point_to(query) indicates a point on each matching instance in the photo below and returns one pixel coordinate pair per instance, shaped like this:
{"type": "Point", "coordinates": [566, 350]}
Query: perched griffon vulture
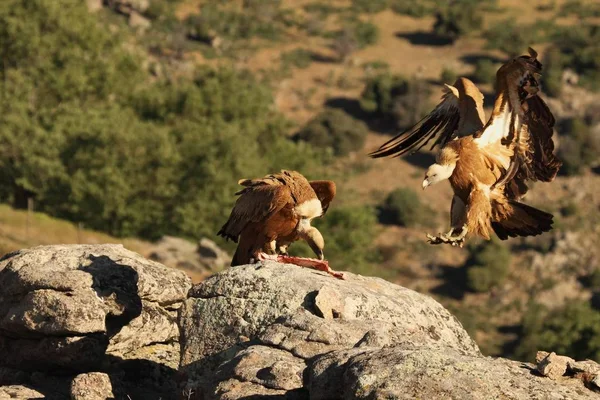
{"type": "Point", "coordinates": [488, 164]}
{"type": "Point", "coordinates": [274, 211]}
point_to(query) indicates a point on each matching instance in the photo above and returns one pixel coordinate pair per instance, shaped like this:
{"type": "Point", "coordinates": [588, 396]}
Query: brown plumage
{"type": "Point", "coordinates": [274, 211]}
{"type": "Point", "coordinates": [489, 163]}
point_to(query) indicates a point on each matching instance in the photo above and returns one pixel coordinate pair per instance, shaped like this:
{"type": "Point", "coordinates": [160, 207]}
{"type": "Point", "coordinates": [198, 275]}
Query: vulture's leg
{"type": "Point", "coordinates": [271, 247]}
{"type": "Point", "coordinates": [458, 220]}
{"type": "Point", "coordinates": [321, 265]}
{"type": "Point", "coordinates": [457, 240]}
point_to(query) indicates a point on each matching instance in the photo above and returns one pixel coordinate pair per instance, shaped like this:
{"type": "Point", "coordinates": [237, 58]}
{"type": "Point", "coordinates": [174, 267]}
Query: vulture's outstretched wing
{"type": "Point", "coordinates": [260, 199]}
{"type": "Point", "coordinates": [325, 191]}
{"type": "Point", "coordinates": [460, 113]}
{"type": "Point", "coordinates": [523, 122]}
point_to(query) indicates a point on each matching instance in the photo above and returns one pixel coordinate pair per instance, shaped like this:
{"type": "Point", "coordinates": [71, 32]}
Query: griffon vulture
{"type": "Point", "coordinates": [274, 211]}
{"type": "Point", "coordinates": [488, 164]}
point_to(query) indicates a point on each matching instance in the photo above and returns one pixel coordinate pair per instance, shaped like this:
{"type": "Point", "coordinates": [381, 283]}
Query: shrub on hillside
{"type": "Point", "coordinates": [354, 36]}
{"type": "Point", "coordinates": [579, 147]}
{"type": "Point", "coordinates": [487, 265]}
{"type": "Point", "coordinates": [369, 6]}
{"type": "Point", "coordinates": [366, 34]}
{"type": "Point", "coordinates": [572, 330]}
{"type": "Point", "coordinates": [403, 207]}
{"type": "Point", "coordinates": [579, 50]}
{"type": "Point", "coordinates": [514, 39]}
{"type": "Point", "coordinates": [413, 8]}
{"type": "Point", "coordinates": [334, 129]}
{"type": "Point", "coordinates": [216, 21]}
{"type": "Point", "coordinates": [485, 71]}
{"type": "Point", "coordinates": [396, 98]}
{"type": "Point", "coordinates": [448, 76]}
{"type": "Point", "coordinates": [299, 58]}
{"type": "Point", "coordinates": [552, 74]}
{"type": "Point", "coordinates": [458, 18]}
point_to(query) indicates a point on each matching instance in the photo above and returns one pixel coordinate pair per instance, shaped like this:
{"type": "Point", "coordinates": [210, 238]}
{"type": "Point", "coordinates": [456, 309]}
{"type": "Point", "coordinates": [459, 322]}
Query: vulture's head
{"type": "Point", "coordinates": [312, 237]}
{"type": "Point", "coordinates": [437, 173]}
{"type": "Point", "coordinates": [443, 168]}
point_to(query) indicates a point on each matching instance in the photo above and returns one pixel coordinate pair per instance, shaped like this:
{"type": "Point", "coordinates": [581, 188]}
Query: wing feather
{"type": "Point", "coordinates": [521, 120]}
{"type": "Point", "coordinates": [325, 191]}
{"type": "Point", "coordinates": [441, 122]}
{"type": "Point", "coordinates": [260, 199]}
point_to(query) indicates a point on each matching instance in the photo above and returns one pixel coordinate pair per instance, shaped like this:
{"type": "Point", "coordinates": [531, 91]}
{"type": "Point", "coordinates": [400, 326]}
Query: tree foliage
{"type": "Point", "coordinates": [395, 97]}
{"type": "Point", "coordinates": [334, 129]}
{"type": "Point", "coordinates": [572, 330]}
{"type": "Point", "coordinates": [93, 139]}
{"type": "Point", "coordinates": [487, 265]}
{"type": "Point", "coordinates": [403, 207]}
{"type": "Point", "coordinates": [579, 147]}
{"type": "Point", "coordinates": [457, 18]}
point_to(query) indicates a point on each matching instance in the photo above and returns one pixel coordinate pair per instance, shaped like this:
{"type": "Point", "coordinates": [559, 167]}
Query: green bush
{"type": "Point", "coordinates": [403, 207]}
{"type": "Point", "coordinates": [552, 73]}
{"type": "Point", "coordinates": [369, 6]}
{"type": "Point", "coordinates": [98, 140]}
{"type": "Point", "coordinates": [394, 97]}
{"type": "Point", "coordinates": [256, 20]}
{"type": "Point", "coordinates": [578, 47]}
{"type": "Point", "coordinates": [366, 34]}
{"type": "Point", "coordinates": [448, 76]}
{"type": "Point", "coordinates": [487, 265]}
{"type": "Point", "coordinates": [485, 71]}
{"type": "Point", "coordinates": [458, 18]}
{"type": "Point", "coordinates": [581, 9]}
{"type": "Point", "coordinates": [416, 8]}
{"type": "Point", "coordinates": [355, 35]}
{"type": "Point", "coordinates": [334, 129]}
{"type": "Point", "coordinates": [299, 58]}
{"type": "Point", "coordinates": [572, 330]}
{"type": "Point", "coordinates": [579, 147]}
{"type": "Point", "coordinates": [514, 39]}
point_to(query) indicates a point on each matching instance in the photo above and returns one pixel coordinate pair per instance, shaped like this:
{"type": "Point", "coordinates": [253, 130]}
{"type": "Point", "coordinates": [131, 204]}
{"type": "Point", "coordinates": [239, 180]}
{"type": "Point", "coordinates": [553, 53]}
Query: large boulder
{"type": "Point", "coordinates": [281, 331]}
{"type": "Point", "coordinates": [79, 308]}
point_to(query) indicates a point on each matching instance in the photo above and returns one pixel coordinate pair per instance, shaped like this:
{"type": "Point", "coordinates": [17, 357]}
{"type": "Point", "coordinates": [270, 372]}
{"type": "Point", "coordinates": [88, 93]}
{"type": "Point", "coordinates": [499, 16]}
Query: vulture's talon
{"type": "Point", "coordinates": [448, 238]}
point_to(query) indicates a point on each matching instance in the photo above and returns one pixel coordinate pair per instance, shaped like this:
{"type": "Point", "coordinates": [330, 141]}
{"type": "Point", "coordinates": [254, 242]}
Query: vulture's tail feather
{"type": "Point", "coordinates": [523, 220]}
{"type": "Point", "coordinates": [243, 252]}
{"type": "Point", "coordinates": [224, 234]}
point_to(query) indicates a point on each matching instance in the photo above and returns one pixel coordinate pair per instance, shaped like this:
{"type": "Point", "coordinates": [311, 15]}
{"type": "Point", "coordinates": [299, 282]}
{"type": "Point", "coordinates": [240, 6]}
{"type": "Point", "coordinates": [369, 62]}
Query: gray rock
{"type": "Point", "coordinates": [91, 386]}
{"type": "Point", "coordinates": [282, 306]}
{"type": "Point", "coordinates": [80, 308]}
{"type": "Point", "coordinates": [19, 392]}
{"type": "Point", "coordinates": [283, 331]}
{"type": "Point", "coordinates": [402, 372]}
{"type": "Point", "coordinates": [552, 365]}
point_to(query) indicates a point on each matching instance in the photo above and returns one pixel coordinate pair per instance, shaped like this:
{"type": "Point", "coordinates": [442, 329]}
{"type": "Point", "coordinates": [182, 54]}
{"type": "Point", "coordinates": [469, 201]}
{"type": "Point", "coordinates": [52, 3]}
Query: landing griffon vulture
{"type": "Point", "coordinates": [488, 163]}
{"type": "Point", "coordinates": [275, 211]}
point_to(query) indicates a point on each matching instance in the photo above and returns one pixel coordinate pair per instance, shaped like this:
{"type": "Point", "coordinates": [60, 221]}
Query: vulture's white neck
{"type": "Point", "coordinates": [309, 209]}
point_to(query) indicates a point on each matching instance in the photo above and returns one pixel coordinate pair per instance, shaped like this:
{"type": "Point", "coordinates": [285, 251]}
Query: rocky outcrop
{"type": "Point", "coordinates": [74, 309]}
{"type": "Point", "coordinates": [100, 322]}
{"type": "Point", "coordinates": [282, 331]}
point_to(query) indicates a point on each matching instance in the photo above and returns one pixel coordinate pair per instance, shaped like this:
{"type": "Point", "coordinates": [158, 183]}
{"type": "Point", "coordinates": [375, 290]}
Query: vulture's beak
{"type": "Point", "coordinates": [315, 241]}
{"type": "Point", "coordinates": [426, 183]}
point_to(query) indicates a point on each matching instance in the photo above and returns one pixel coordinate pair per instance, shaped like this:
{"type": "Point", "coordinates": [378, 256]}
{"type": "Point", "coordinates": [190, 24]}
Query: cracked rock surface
{"type": "Point", "coordinates": [79, 308]}
{"type": "Point", "coordinates": [281, 331]}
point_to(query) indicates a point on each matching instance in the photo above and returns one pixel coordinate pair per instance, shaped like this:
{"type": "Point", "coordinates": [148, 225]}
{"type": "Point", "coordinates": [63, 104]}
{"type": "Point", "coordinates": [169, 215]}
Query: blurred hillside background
{"type": "Point", "coordinates": [131, 120]}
